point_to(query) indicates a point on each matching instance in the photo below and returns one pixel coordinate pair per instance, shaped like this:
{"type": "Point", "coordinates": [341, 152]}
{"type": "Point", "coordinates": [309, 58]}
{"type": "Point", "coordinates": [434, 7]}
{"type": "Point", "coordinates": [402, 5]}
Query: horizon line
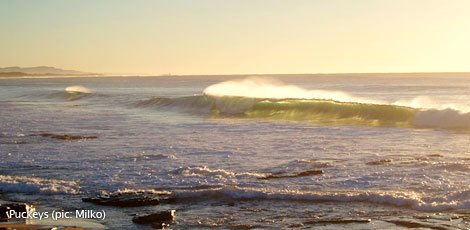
{"type": "Point", "coordinates": [320, 73]}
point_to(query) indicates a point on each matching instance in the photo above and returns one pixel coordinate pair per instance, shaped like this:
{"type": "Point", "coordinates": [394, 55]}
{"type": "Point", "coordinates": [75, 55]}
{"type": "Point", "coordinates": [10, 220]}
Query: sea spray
{"type": "Point", "coordinates": [257, 87]}
{"type": "Point", "coordinates": [426, 102]}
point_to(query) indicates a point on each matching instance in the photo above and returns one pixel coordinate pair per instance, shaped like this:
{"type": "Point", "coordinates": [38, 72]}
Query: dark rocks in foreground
{"type": "Point", "coordinates": [411, 224]}
{"type": "Point", "coordinates": [64, 137]}
{"type": "Point", "coordinates": [157, 220]}
{"type": "Point", "coordinates": [337, 221]}
{"type": "Point", "coordinates": [6, 207]}
{"type": "Point", "coordinates": [127, 199]}
{"type": "Point", "coordinates": [380, 162]}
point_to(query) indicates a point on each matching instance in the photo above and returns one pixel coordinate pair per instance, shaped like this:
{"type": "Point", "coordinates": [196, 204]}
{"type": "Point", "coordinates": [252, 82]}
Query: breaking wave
{"type": "Point", "coordinates": [75, 92]}
{"type": "Point", "coordinates": [70, 93]}
{"type": "Point", "coordinates": [34, 185]}
{"type": "Point", "coordinates": [77, 89]}
{"type": "Point", "coordinates": [413, 200]}
{"type": "Point", "coordinates": [269, 99]}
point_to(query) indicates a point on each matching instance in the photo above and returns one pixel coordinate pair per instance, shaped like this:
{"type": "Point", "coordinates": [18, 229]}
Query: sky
{"type": "Point", "coordinates": [237, 37]}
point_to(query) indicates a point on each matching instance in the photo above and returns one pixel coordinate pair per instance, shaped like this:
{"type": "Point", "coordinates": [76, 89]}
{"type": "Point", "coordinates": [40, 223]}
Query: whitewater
{"type": "Point", "coordinates": [290, 151]}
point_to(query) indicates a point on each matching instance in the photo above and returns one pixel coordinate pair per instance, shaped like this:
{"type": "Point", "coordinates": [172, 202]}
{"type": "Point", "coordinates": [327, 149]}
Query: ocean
{"type": "Point", "coordinates": [371, 151]}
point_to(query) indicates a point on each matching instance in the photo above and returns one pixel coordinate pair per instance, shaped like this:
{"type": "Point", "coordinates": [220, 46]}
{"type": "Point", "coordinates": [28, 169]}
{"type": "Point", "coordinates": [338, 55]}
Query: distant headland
{"type": "Point", "coordinates": [40, 71]}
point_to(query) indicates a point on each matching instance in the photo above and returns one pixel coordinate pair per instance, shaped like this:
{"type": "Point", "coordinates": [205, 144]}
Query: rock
{"type": "Point", "coordinates": [338, 221]}
{"type": "Point", "coordinates": [64, 136]}
{"type": "Point", "coordinates": [379, 162]}
{"type": "Point", "coordinates": [127, 199]}
{"type": "Point", "coordinates": [6, 207]}
{"type": "Point", "coordinates": [157, 220]}
{"type": "Point", "coordinates": [296, 225]}
{"type": "Point", "coordinates": [295, 174]}
{"type": "Point", "coordinates": [310, 173]}
{"type": "Point", "coordinates": [411, 224]}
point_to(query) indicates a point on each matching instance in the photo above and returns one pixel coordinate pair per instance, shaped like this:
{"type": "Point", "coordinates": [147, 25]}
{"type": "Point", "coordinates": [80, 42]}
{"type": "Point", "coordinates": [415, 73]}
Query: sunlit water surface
{"type": "Point", "coordinates": [215, 162]}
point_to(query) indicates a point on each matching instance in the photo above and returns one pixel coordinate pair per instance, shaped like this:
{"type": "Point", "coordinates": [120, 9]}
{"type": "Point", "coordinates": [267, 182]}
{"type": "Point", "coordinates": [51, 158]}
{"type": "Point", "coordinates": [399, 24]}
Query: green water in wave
{"type": "Point", "coordinates": [323, 111]}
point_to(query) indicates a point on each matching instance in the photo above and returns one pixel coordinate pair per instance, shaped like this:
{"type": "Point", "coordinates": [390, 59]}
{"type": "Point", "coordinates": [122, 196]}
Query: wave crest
{"type": "Point", "coordinates": [77, 89]}
{"type": "Point", "coordinates": [257, 87]}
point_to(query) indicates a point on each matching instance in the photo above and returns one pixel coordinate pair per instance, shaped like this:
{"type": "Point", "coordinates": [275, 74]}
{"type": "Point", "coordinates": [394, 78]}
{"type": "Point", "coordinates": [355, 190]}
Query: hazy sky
{"type": "Point", "coordinates": [242, 36]}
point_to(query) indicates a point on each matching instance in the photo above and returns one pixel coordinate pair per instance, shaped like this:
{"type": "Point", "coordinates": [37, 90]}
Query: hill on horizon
{"type": "Point", "coordinates": [39, 71]}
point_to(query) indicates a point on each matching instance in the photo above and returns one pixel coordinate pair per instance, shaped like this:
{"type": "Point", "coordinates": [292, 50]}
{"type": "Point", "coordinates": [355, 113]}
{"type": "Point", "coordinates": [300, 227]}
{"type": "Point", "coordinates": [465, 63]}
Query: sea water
{"type": "Point", "coordinates": [285, 151]}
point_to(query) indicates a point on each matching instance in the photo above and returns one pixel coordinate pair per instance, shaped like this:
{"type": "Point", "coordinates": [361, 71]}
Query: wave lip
{"type": "Point", "coordinates": [35, 185]}
{"type": "Point", "coordinates": [257, 87]}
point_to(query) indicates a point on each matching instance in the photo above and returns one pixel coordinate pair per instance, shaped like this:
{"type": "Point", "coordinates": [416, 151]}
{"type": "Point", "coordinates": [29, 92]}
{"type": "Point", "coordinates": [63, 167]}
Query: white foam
{"type": "Point", "coordinates": [23, 184]}
{"type": "Point", "coordinates": [143, 190]}
{"type": "Point", "coordinates": [204, 171]}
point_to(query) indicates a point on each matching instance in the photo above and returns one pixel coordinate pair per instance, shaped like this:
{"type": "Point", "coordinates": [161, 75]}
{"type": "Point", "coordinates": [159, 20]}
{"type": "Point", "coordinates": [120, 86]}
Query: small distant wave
{"type": "Point", "coordinates": [77, 89]}
{"type": "Point", "coordinates": [75, 92]}
{"type": "Point", "coordinates": [70, 93]}
{"type": "Point", "coordinates": [413, 200]}
{"type": "Point", "coordinates": [35, 185]}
